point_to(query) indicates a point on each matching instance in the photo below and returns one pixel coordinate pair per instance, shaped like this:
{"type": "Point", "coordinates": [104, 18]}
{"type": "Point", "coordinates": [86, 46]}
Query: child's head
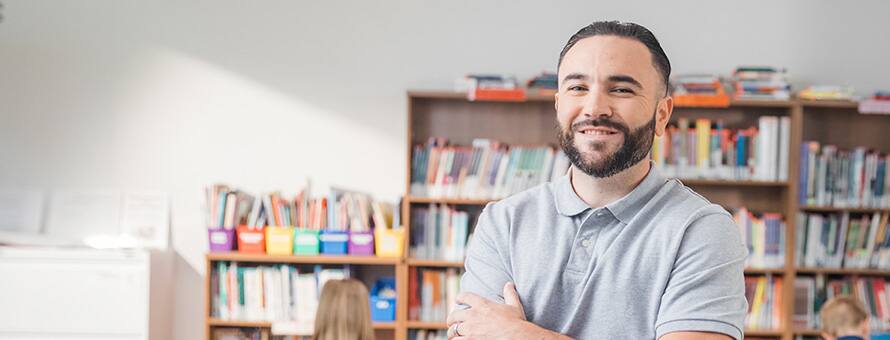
{"type": "Point", "coordinates": [844, 316]}
{"type": "Point", "coordinates": [343, 312]}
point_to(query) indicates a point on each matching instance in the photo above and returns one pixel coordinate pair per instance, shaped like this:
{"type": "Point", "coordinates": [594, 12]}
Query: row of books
{"type": "Point", "coordinates": [830, 176]}
{"type": "Point", "coordinates": [810, 293]}
{"type": "Point", "coordinates": [707, 149]}
{"type": "Point", "coordinates": [432, 293]}
{"type": "Point", "coordinates": [490, 87]}
{"type": "Point", "coordinates": [764, 236]}
{"type": "Point", "coordinates": [544, 83]}
{"type": "Point", "coordinates": [268, 293]}
{"type": "Point", "coordinates": [339, 210]}
{"type": "Point", "coordinates": [826, 92]}
{"type": "Point", "coordinates": [842, 241]}
{"type": "Point", "coordinates": [764, 295]}
{"type": "Point", "coordinates": [701, 84]}
{"type": "Point", "coordinates": [879, 103]}
{"type": "Point", "coordinates": [761, 83]}
{"type": "Point", "coordinates": [220, 333]}
{"type": "Point", "coordinates": [227, 207]}
{"type": "Point", "coordinates": [486, 170]}
{"type": "Point", "coordinates": [439, 232]}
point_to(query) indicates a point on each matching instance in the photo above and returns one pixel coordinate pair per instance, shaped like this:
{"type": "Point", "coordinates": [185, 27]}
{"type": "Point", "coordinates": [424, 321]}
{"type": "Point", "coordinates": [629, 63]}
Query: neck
{"type": "Point", "coordinates": [598, 192]}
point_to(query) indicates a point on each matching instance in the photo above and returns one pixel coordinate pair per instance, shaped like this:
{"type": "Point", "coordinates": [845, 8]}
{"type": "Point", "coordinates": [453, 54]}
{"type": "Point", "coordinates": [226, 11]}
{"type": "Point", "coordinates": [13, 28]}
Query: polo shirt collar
{"type": "Point", "coordinates": [569, 204]}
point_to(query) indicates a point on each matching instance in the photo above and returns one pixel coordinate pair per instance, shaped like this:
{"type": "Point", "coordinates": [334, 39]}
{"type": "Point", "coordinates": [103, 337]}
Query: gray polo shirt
{"type": "Point", "coordinates": [659, 260]}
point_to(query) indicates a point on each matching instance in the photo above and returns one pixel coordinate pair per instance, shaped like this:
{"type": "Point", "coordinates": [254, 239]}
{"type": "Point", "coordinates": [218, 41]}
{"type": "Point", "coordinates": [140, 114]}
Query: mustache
{"type": "Point", "coordinates": [601, 121]}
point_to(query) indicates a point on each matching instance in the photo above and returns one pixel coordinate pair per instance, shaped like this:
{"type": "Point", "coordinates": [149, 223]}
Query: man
{"type": "Point", "coordinates": [612, 250]}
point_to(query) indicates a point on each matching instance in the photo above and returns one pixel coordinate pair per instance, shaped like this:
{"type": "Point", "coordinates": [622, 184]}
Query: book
{"type": "Point", "coordinates": [764, 295]}
{"type": "Point", "coordinates": [485, 170]}
{"type": "Point", "coordinates": [764, 236]}
{"type": "Point", "coordinates": [706, 149]}
{"type": "Point", "coordinates": [843, 178]}
{"type": "Point", "coordinates": [843, 240]}
{"type": "Point", "coordinates": [270, 293]}
{"type": "Point", "coordinates": [432, 293]}
{"type": "Point", "coordinates": [439, 232]}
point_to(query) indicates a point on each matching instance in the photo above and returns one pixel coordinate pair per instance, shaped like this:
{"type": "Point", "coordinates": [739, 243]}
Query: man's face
{"type": "Point", "coordinates": [610, 104]}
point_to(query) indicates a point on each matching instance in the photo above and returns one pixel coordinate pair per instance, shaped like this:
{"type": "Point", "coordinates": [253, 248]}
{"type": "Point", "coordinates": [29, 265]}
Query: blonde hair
{"type": "Point", "coordinates": [343, 312]}
{"type": "Point", "coordinates": [842, 313]}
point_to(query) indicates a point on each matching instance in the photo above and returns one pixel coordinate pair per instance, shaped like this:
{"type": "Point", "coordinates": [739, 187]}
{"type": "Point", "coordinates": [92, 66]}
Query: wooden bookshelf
{"type": "Point", "coordinates": [531, 122]}
{"type": "Point", "coordinates": [391, 330]}
{"type": "Point", "coordinates": [450, 114]}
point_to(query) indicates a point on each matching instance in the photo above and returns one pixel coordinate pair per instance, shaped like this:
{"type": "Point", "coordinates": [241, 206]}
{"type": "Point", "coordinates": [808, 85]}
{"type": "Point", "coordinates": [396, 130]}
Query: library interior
{"type": "Point", "coordinates": [425, 170]}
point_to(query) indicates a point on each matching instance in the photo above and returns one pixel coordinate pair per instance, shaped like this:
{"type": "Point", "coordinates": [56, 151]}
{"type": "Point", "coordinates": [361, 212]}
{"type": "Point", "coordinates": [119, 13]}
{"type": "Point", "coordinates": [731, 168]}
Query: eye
{"type": "Point", "coordinates": [623, 90]}
{"type": "Point", "coordinates": [577, 88]}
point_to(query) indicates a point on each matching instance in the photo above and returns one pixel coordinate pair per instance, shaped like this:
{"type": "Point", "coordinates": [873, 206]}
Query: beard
{"type": "Point", "coordinates": [635, 148]}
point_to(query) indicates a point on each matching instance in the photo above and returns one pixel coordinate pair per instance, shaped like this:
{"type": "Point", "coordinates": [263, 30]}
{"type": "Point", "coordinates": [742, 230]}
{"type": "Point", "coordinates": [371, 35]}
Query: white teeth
{"type": "Point", "coordinates": [596, 132]}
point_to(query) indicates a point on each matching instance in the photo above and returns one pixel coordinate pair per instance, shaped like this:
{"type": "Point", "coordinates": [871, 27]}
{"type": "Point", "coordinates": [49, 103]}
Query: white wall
{"type": "Point", "coordinates": [174, 95]}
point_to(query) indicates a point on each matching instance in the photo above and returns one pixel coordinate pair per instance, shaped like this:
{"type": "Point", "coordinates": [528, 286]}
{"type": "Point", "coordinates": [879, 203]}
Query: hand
{"type": "Point", "coordinates": [486, 319]}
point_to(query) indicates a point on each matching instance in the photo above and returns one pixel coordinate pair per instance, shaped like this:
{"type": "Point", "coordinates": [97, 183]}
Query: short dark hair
{"type": "Point", "coordinates": [625, 30]}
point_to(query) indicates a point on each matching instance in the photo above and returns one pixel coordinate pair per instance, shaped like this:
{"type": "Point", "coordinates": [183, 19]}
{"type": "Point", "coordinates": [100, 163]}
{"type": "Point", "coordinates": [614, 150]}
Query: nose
{"type": "Point", "coordinates": [596, 104]}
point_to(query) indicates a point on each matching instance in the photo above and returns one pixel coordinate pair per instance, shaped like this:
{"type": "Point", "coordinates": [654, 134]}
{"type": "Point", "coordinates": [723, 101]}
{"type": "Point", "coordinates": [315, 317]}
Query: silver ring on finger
{"type": "Point", "coordinates": [454, 329]}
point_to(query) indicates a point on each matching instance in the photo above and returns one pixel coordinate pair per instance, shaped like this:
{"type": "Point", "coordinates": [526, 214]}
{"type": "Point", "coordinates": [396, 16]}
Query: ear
{"type": "Point", "coordinates": [663, 114]}
{"type": "Point", "coordinates": [556, 101]}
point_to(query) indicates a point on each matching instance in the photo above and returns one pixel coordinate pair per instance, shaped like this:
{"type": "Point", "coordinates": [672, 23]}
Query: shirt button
{"type": "Point", "coordinates": [585, 243]}
{"type": "Point", "coordinates": [599, 214]}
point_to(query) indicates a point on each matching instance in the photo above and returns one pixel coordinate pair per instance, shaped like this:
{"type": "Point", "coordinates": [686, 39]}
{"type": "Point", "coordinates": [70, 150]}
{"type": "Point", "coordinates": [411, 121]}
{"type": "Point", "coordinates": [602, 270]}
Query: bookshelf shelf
{"type": "Point", "coordinates": [236, 323]}
{"type": "Point", "coordinates": [384, 325]}
{"type": "Point", "coordinates": [812, 208]}
{"type": "Point", "coordinates": [844, 271]}
{"type": "Point", "coordinates": [297, 259]}
{"type": "Point", "coordinates": [434, 263]}
{"type": "Point", "coordinates": [834, 104]}
{"type": "Point", "coordinates": [760, 103]}
{"type": "Point", "coordinates": [764, 333]}
{"type": "Point", "coordinates": [266, 324]}
{"type": "Point", "coordinates": [445, 200]}
{"type": "Point", "coordinates": [426, 325]}
{"type": "Point", "coordinates": [764, 271]}
{"type": "Point", "coordinates": [810, 332]}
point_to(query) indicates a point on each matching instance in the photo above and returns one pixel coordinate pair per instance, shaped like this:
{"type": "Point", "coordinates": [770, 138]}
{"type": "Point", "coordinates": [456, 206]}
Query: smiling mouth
{"type": "Point", "coordinates": [596, 131]}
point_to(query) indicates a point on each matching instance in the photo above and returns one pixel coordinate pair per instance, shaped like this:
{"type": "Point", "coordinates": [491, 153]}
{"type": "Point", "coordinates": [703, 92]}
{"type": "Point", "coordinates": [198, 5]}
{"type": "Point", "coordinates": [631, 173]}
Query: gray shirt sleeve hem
{"type": "Point", "coordinates": [698, 325]}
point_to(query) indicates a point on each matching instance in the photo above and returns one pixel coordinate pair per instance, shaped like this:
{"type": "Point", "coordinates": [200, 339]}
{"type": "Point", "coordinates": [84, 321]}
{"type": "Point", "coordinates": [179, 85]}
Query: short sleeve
{"type": "Point", "coordinates": [487, 261]}
{"type": "Point", "coordinates": [706, 290]}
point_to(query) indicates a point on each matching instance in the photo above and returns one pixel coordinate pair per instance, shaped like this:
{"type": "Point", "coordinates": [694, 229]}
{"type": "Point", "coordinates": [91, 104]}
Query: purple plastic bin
{"type": "Point", "coordinates": [361, 243]}
{"type": "Point", "coordinates": [221, 240]}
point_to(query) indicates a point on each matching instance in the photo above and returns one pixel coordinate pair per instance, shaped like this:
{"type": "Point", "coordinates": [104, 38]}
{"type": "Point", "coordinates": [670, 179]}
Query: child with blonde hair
{"type": "Point", "coordinates": [844, 318]}
{"type": "Point", "coordinates": [343, 312]}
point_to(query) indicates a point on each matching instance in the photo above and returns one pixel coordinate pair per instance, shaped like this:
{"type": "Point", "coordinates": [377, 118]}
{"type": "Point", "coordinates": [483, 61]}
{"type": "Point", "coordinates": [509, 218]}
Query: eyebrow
{"type": "Point", "coordinates": [575, 76]}
{"type": "Point", "coordinates": [623, 78]}
{"type": "Point", "coordinates": [617, 78]}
